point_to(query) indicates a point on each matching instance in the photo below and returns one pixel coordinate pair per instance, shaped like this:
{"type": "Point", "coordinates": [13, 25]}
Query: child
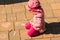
{"type": "Point", "coordinates": [37, 25]}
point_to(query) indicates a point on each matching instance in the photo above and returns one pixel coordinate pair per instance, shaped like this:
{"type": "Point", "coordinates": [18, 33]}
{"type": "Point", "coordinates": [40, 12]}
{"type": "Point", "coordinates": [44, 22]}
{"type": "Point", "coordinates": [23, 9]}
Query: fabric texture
{"type": "Point", "coordinates": [38, 18]}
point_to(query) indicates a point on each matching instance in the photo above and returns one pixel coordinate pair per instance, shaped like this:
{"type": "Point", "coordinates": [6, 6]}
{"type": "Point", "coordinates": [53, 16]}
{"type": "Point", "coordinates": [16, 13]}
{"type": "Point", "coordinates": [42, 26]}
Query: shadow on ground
{"type": "Point", "coordinates": [4, 2]}
{"type": "Point", "coordinates": [53, 28]}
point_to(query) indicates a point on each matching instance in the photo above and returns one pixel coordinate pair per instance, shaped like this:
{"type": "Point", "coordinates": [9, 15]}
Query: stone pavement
{"type": "Point", "coordinates": [13, 14]}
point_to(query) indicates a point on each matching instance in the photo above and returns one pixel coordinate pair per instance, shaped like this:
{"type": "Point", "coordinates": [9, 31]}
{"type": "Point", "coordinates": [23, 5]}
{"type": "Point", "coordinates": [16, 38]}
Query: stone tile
{"type": "Point", "coordinates": [24, 3]}
{"type": "Point", "coordinates": [43, 1]}
{"type": "Point", "coordinates": [6, 26]}
{"type": "Point", "coordinates": [58, 38]}
{"type": "Point", "coordinates": [8, 9]}
{"type": "Point", "coordinates": [2, 17]}
{"type": "Point", "coordinates": [3, 35]}
{"type": "Point", "coordinates": [29, 15]}
{"type": "Point", "coordinates": [50, 1]}
{"type": "Point", "coordinates": [28, 39]}
{"type": "Point", "coordinates": [17, 8]}
{"type": "Point", "coordinates": [59, 19]}
{"type": "Point", "coordinates": [51, 20]}
{"type": "Point", "coordinates": [14, 35]}
{"type": "Point", "coordinates": [2, 14]}
{"type": "Point", "coordinates": [56, 35]}
{"type": "Point", "coordinates": [19, 25]}
{"type": "Point", "coordinates": [9, 12]}
{"type": "Point", "coordinates": [11, 17]}
{"type": "Point", "coordinates": [47, 10]}
{"type": "Point", "coordinates": [56, 13]}
{"type": "Point", "coordinates": [46, 6]}
{"type": "Point", "coordinates": [24, 35]}
{"type": "Point", "coordinates": [48, 13]}
{"type": "Point", "coordinates": [57, 1]}
{"type": "Point", "coordinates": [42, 39]}
{"type": "Point", "coordinates": [21, 16]}
{"type": "Point", "coordinates": [1, 7]}
{"type": "Point", "coordinates": [37, 37]}
{"type": "Point", "coordinates": [47, 35]}
{"type": "Point", "coordinates": [55, 5]}
{"type": "Point", "coordinates": [2, 10]}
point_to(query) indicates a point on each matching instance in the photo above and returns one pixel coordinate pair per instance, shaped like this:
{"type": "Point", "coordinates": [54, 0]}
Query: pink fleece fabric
{"type": "Point", "coordinates": [38, 19]}
{"type": "Point", "coordinates": [32, 32]}
{"type": "Point", "coordinates": [28, 25]}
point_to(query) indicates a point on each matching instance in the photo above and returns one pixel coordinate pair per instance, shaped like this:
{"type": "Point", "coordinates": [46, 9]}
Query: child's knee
{"type": "Point", "coordinates": [28, 25]}
{"type": "Point", "coordinates": [32, 32]}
